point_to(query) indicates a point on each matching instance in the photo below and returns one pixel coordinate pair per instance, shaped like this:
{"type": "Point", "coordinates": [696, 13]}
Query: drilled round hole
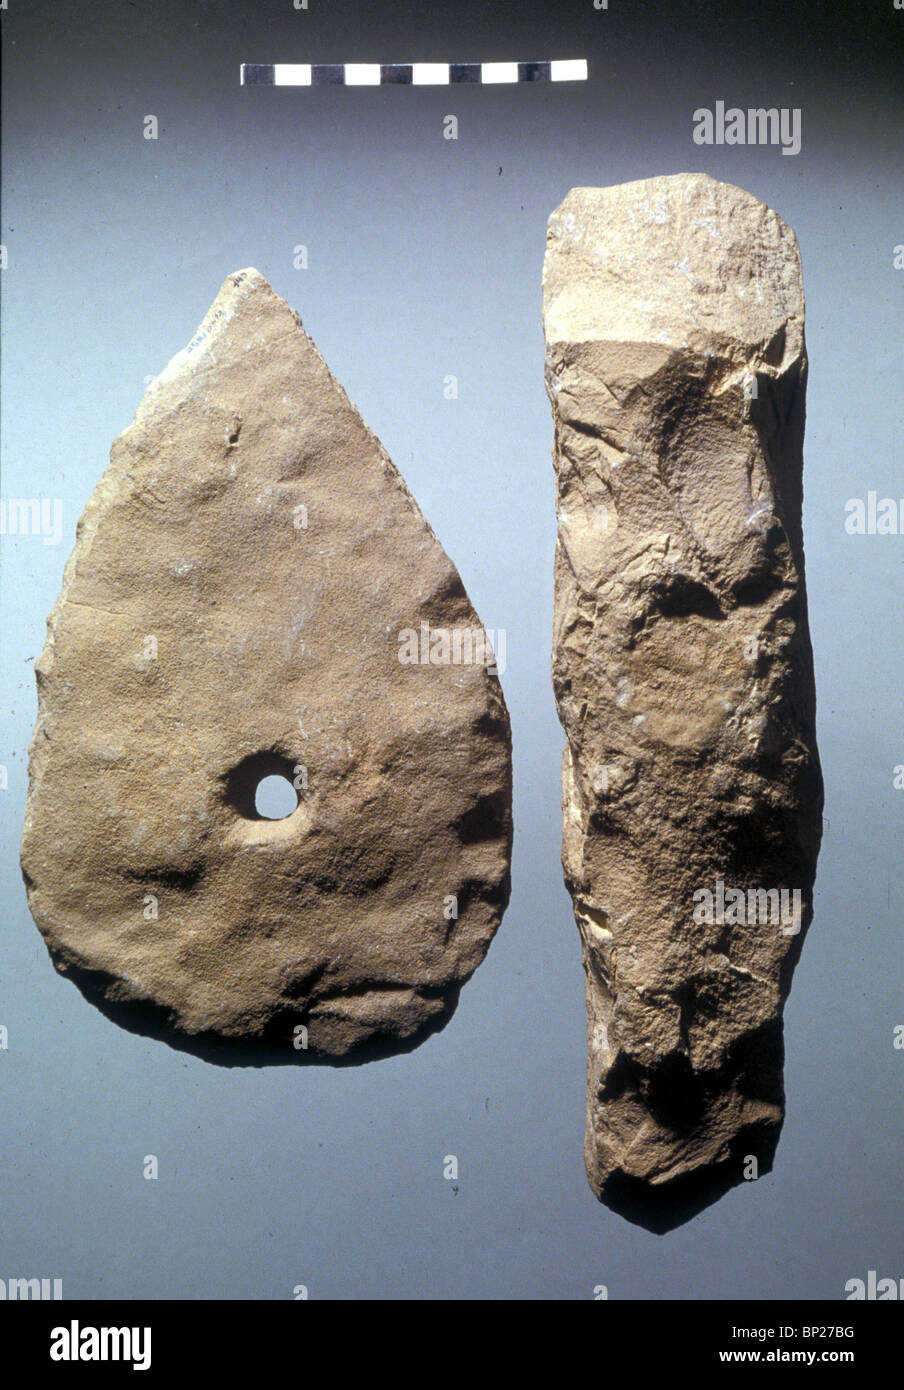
{"type": "Point", "coordinates": [275, 798]}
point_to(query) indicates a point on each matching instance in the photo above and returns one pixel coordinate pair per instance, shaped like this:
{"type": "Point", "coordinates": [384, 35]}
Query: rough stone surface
{"type": "Point", "coordinates": [232, 609]}
{"type": "Point", "coordinates": [676, 368]}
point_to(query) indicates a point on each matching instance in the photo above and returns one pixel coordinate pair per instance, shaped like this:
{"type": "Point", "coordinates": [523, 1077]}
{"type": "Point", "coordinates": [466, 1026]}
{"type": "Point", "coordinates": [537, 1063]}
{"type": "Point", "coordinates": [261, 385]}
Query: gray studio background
{"type": "Point", "coordinates": [424, 261]}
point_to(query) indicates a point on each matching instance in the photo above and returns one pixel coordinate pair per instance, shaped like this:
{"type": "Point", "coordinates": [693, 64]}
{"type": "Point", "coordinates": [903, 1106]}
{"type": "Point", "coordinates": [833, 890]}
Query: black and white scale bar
{"type": "Point", "coordinates": [408, 74]}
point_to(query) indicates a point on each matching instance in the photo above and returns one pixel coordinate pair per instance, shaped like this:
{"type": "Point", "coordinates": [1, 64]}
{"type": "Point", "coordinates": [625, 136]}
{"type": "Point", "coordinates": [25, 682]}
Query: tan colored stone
{"type": "Point", "coordinates": [676, 368]}
{"type": "Point", "coordinates": [233, 608]}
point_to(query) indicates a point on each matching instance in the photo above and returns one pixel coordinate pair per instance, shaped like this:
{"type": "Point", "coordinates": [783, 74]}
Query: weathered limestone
{"type": "Point", "coordinates": [676, 368]}
{"type": "Point", "coordinates": [236, 605]}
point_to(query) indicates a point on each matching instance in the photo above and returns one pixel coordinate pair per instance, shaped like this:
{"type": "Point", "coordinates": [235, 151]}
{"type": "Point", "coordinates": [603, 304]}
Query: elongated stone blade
{"type": "Point", "coordinates": [254, 593]}
{"type": "Point", "coordinates": [682, 667]}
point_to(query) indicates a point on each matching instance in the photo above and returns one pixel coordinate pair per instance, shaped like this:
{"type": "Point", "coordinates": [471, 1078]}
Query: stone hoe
{"type": "Point", "coordinates": [234, 609]}
{"type": "Point", "coordinates": [683, 673]}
